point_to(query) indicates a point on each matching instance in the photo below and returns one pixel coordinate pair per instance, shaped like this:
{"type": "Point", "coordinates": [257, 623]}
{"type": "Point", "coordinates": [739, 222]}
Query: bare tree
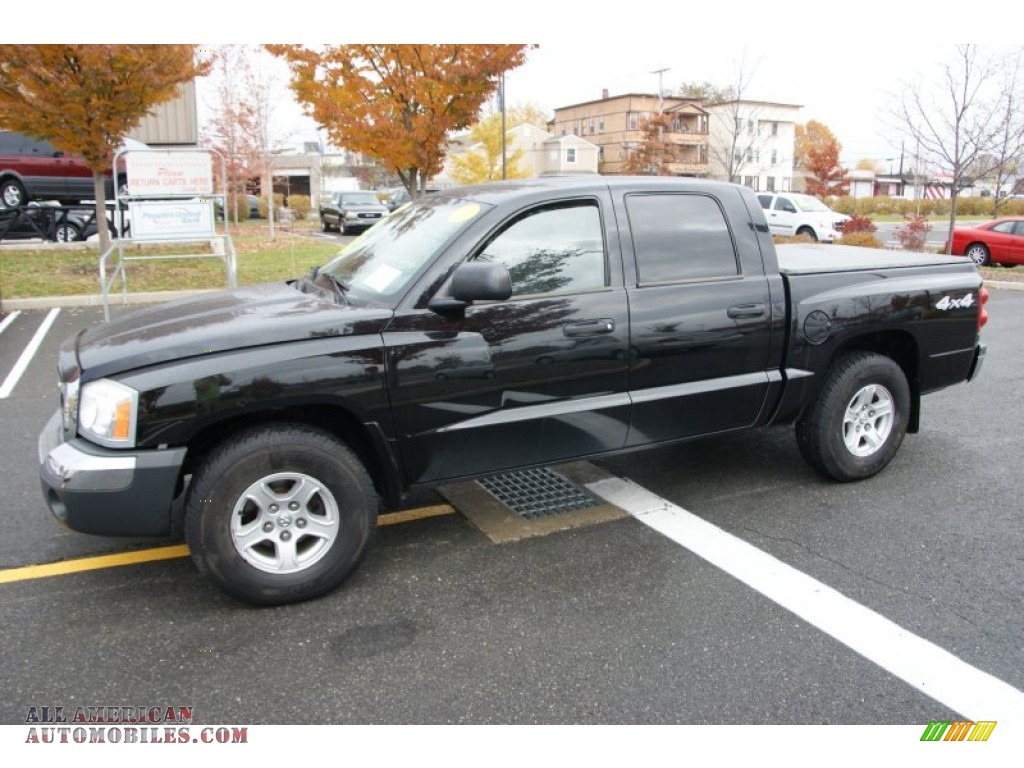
{"type": "Point", "coordinates": [1010, 143]}
{"type": "Point", "coordinates": [231, 130]}
{"type": "Point", "coordinates": [736, 140]}
{"type": "Point", "coordinates": [955, 128]}
{"type": "Point", "coordinates": [265, 91]}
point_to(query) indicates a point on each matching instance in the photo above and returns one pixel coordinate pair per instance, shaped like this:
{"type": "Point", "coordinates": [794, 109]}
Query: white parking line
{"type": "Point", "coordinates": [27, 354]}
{"type": "Point", "coordinates": [933, 671]}
{"type": "Point", "coordinates": [8, 320]}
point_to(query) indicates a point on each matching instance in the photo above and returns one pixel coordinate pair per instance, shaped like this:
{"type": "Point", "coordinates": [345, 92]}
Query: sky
{"type": "Point", "coordinates": [846, 64]}
{"type": "Point", "coordinates": [854, 89]}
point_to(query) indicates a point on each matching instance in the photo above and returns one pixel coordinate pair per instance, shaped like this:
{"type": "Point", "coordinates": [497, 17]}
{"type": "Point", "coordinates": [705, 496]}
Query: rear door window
{"type": "Point", "coordinates": [680, 237]}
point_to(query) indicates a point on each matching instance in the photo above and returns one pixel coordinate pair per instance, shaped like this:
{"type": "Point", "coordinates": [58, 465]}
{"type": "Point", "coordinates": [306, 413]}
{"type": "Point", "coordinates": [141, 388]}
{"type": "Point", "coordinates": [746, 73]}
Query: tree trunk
{"type": "Point", "coordinates": [952, 216]}
{"type": "Point", "coordinates": [99, 187]}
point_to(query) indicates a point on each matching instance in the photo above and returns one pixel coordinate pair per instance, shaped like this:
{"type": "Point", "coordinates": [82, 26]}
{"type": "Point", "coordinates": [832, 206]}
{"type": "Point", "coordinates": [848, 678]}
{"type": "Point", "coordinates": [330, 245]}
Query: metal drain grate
{"type": "Point", "coordinates": [535, 493]}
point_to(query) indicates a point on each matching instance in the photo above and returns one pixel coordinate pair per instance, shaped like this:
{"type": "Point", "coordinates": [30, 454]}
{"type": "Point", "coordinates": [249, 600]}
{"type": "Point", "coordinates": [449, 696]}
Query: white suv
{"type": "Point", "coordinates": [790, 214]}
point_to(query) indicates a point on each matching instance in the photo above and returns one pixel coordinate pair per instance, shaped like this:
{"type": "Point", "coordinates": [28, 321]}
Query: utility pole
{"type": "Point", "coordinates": [661, 92]}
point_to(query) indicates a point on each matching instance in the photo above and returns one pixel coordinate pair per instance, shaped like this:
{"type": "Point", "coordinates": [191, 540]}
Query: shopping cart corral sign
{"type": "Point", "coordinates": [171, 219]}
{"type": "Point", "coordinates": [163, 173]}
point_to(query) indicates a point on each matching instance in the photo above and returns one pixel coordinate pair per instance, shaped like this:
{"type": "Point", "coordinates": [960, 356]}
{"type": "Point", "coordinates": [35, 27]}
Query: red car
{"type": "Point", "coordinates": [1000, 241]}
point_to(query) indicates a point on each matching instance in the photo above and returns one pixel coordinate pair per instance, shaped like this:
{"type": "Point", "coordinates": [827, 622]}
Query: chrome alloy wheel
{"type": "Point", "coordinates": [284, 523]}
{"type": "Point", "coordinates": [868, 420]}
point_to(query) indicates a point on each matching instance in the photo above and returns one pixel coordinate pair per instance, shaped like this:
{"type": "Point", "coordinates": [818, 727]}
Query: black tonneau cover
{"type": "Point", "coordinates": [815, 258]}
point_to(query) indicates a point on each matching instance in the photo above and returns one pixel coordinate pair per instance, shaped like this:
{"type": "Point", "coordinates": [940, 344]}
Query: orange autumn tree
{"type": "Point", "coordinates": [84, 99]}
{"type": "Point", "coordinates": [653, 155]}
{"type": "Point", "coordinates": [817, 153]}
{"type": "Point", "coordinates": [397, 103]}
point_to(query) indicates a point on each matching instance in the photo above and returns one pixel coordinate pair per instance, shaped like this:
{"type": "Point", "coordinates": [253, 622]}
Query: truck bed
{"type": "Point", "coordinates": [817, 258]}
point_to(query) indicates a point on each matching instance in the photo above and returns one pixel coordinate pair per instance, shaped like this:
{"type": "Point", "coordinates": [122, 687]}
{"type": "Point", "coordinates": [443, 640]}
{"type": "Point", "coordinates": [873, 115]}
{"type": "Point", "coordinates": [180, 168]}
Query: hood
{"type": "Point", "coordinates": [218, 322]}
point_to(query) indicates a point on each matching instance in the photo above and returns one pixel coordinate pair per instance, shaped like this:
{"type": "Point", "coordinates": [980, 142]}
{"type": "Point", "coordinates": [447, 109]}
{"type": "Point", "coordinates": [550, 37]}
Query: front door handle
{"type": "Point", "coordinates": [589, 327]}
{"type": "Point", "coordinates": [745, 311]}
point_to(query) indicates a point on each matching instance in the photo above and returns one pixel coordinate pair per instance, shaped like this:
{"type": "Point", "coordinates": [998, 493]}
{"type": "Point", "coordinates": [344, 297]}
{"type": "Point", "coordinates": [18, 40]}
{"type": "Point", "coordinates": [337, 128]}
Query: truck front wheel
{"type": "Point", "coordinates": [280, 513]}
{"type": "Point", "coordinates": [856, 425]}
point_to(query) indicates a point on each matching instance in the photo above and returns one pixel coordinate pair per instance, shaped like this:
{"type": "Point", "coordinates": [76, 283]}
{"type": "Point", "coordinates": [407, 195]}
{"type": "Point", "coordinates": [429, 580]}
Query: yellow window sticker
{"type": "Point", "coordinates": [464, 213]}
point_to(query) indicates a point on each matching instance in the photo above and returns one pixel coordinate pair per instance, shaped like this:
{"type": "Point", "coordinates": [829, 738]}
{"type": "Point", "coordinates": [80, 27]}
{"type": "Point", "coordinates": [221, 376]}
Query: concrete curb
{"type": "Point", "coordinates": [1004, 285]}
{"type": "Point", "coordinates": [96, 300]}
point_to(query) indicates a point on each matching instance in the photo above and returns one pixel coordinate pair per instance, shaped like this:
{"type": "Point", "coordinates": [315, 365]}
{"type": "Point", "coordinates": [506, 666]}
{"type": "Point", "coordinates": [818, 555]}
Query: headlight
{"type": "Point", "coordinates": [351, 215]}
{"type": "Point", "coordinates": [107, 413]}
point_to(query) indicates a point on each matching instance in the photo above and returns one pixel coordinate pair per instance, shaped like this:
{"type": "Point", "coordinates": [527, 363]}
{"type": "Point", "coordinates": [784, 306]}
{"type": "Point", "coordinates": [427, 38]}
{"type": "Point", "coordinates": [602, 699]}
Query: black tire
{"type": "Point", "coordinates": [12, 194]}
{"type": "Point", "coordinates": [846, 434]}
{"type": "Point", "coordinates": [324, 226]}
{"type": "Point", "coordinates": [67, 233]}
{"type": "Point", "coordinates": [273, 556]}
{"type": "Point", "coordinates": [978, 253]}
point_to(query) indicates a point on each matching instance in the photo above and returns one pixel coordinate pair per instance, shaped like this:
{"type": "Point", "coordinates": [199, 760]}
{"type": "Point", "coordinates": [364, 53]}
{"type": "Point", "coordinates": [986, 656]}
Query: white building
{"type": "Point", "coordinates": [755, 141]}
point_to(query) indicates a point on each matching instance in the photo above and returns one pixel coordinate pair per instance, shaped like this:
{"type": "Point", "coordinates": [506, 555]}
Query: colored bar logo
{"type": "Point", "coordinates": [958, 730]}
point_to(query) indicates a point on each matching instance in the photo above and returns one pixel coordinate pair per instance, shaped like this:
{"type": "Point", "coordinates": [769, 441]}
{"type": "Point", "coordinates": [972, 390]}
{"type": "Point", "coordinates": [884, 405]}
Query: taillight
{"type": "Point", "coordinates": [982, 312]}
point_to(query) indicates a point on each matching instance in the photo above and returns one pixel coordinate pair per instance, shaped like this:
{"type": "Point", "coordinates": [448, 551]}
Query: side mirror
{"type": "Point", "coordinates": [481, 281]}
{"type": "Point", "coordinates": [474, 281]}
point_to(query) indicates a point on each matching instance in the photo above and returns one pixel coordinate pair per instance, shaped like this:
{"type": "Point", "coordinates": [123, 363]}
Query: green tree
{"type": "Point", "coordinates": [84, 99]}
{"type": "Point", "coordinates": [708, 93]}
{"type": "Point", "coordinates": [397, 103]}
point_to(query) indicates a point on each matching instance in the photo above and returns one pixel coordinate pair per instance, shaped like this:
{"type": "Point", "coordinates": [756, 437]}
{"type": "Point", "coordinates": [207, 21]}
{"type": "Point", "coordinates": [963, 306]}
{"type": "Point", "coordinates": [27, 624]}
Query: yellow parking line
{"type": "Point", "coordinates": [65, 567]}
{"type": "Point", "coordinates": [92, 563]}
{"type": "Point", "coordinates": [420, 513]}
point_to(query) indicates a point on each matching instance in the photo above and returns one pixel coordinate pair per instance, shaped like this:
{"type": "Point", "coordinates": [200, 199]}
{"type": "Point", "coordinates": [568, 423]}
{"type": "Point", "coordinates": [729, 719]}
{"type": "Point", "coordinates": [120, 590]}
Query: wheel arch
{"type": "Point", "coordinates": [367, 441]}
{"type": "Point", "coordinates": [898, 345]}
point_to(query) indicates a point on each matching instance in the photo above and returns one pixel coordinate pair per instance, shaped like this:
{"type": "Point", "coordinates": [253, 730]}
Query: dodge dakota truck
{"type": "Point", "coordinates": [485, 329]}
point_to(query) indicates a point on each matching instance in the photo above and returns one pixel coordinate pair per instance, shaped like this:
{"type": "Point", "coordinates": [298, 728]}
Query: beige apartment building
{"type": "Point", "coordinates": [615, 124]}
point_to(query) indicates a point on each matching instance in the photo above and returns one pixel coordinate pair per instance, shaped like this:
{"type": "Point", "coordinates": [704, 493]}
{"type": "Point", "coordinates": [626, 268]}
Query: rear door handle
{"type": "Point", "coordinates": [742, 311]}
{"type": "Point", "coordinates": [589, 327]}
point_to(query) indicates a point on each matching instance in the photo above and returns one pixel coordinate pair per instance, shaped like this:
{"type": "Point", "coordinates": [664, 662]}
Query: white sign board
{"type": "Point", "coordinates": [171, 220]}
{"type": "Point", "coordinates": [159, 173]}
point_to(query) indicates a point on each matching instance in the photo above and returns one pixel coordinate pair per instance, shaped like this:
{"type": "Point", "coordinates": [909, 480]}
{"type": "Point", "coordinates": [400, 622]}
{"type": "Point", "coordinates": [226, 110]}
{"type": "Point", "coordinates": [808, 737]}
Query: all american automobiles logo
{"type": "Point", "coordinates": [124, 725]}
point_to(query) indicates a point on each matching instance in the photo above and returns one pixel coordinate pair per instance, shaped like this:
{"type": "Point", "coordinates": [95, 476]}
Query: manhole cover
{"type": "Point", "coordinates": [535, 493]}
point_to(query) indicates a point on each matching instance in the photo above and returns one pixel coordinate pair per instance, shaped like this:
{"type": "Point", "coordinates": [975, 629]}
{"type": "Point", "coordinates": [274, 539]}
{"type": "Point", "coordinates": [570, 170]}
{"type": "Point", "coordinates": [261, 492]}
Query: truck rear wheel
{"type": "Point", "coordinates": [856, 425]}
{"type": "Point", "coordinates": [279, 514]}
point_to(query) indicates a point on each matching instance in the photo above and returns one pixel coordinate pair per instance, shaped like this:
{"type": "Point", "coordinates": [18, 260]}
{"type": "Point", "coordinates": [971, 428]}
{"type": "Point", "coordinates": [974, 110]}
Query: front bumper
{"type": "Point", "coordinates": [106, 492]}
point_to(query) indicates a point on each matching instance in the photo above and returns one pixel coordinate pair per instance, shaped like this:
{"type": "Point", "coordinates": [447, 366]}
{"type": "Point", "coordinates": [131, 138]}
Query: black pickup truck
{"type": "Point", "coordinates": [485, 329]}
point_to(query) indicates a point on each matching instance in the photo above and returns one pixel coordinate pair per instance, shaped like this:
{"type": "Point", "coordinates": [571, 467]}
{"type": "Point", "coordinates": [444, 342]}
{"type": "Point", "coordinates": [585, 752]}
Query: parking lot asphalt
{"type": "Point", "coordinates": [607, 624]}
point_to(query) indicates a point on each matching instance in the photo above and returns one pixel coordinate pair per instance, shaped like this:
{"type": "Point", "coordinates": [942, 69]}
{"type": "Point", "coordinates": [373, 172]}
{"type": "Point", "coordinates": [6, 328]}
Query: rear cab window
{"type": "Point", "coordinates": [679, 237]}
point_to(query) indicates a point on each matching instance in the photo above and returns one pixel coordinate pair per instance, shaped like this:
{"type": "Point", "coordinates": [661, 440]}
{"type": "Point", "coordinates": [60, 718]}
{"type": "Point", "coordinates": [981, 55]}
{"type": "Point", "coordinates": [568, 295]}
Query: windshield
{"type": "Point", "coordinates": [808, 203]}
{"type": "Point", "coordinates": [382, 262]}
{"type": "Point", "coordinates": [360, 198]}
